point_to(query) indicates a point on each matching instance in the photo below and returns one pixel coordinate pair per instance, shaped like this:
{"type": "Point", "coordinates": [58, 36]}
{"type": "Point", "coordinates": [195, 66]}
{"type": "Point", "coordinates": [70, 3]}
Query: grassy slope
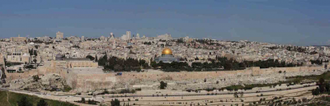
{"type": "Point", "coordinates": [3, 99]}
{"type": "Point", "coordinates": [325, 76]}
{"type": "Point", "coordinates": [14, 97]}
{"type": "Point", "coordinates": [324, 101]}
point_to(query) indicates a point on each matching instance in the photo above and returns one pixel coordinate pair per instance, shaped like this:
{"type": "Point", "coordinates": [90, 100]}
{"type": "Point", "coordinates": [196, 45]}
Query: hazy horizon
{"type": "Point", "coordinates": [297, 22]}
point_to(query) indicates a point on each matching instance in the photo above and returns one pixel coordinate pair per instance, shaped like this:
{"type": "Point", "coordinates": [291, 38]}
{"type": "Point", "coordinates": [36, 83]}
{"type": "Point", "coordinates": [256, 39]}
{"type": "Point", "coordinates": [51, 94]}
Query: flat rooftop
{"type": "Point", "coordinates": [73, 59]}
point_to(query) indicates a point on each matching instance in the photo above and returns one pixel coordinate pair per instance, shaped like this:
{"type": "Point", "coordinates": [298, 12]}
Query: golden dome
{"type": "Point", "coordinates": [167, 51]}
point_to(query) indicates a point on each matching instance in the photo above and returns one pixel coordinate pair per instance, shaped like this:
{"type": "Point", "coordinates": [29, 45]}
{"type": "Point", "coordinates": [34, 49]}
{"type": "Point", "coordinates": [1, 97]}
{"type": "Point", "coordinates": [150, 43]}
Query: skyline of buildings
{"type": "Point", "coordinates": [111, 63]}
{"type": "Point", "coordinates": [165, 53]}
{"type": "Point", "coordinates": [128, 35]}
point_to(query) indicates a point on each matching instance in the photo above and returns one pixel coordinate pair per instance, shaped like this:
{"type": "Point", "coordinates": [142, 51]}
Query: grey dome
{"type": "Point", "coordinates": [59, 57]}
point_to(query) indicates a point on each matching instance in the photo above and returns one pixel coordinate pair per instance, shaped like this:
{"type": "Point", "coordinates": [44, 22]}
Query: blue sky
{"type": "Point", "coordinates": [298, 22]}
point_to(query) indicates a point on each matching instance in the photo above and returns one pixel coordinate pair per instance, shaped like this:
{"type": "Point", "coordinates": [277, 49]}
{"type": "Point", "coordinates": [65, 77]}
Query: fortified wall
{"type": "Point", "coordinates": [39, 71]}
{"type": "Point", "coordinates": [27, 74]}
{"type": "Point", "coordinates": [90, 82]}
{"type": "Point", "coordinates": [257, 71]}
{"type": "Point", "coordinates": [93, 78]}
{"type": "Point", "coordinates": [72, 63]}
{"type": "Point", "coordinates": [93, 81]}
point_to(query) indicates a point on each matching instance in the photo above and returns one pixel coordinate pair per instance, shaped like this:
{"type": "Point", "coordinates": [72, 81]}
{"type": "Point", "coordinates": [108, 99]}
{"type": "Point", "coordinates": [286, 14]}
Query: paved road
{"type": "Point", "coordinates": [181, 95]}
{"type": "Point", "coordinates": [209, 94]}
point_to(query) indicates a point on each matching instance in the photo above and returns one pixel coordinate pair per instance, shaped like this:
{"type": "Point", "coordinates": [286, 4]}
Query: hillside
{"type": "Point", "coordinates": [11, 99]}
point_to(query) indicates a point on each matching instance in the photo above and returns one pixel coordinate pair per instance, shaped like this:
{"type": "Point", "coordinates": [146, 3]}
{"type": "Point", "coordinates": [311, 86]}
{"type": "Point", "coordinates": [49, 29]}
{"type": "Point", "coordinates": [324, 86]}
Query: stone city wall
{"type": "Point", "coordinates": [84, 82]}
{"type": "Point", "coordinates": [39, 71]}
{"type": "Point", "coordinates": [258, 71]}
{"type": "Point", "coordinates": [73, 64]}
{"type": "Point", "coordinates": [88, 82]}
{"type": "Point", "coordinates": [210, 74]}
{"type": "Point", "coordinates": [81, 81]}
{"type": "Point", "coordinates": [13, 76]}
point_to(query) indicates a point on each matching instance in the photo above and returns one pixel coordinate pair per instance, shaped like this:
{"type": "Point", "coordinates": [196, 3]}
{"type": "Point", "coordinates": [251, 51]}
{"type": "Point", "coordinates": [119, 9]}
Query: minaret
{"type": "Point", "coordinates": [111, 35]}
{"type": "Point", "coordinates": [138, 36]}
{"type": "Point", "coordinates": [82, 38]}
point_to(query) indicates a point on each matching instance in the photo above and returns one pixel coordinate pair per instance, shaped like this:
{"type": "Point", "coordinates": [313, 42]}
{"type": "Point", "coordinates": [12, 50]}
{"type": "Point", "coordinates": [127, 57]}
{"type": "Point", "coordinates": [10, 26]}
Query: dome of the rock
{"type": "Point", "coordinates": [167, 51]}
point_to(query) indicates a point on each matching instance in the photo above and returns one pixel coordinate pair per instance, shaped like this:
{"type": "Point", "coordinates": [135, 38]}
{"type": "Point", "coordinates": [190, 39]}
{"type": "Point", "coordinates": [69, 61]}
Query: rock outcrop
{"type": "Point", "coordinates": [51, 82]}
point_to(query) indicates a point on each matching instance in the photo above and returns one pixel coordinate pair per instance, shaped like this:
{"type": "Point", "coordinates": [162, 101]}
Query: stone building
{"type": "Point", "coordinates": [18, 39]}
{"type": "Point", "coordinates": [74, 63]}
{"type": "Point", "coordinates": [59, 35]}
{"type": "Point", "coordinates": [165, 37]}
{"type": "Point", "coordinates": [166, 57]}
{"type": "Point", "coordinates": [18, 57]}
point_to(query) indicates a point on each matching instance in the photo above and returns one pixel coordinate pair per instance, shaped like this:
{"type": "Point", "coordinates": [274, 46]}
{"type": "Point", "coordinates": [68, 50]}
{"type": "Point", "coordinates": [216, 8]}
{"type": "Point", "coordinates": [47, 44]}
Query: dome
{"type": "Point", "coordinates": [166, 58]}
{"type": "Point", "coordinates": [58, 57]}
{"type": "Point", "coordinates": [167, 51]}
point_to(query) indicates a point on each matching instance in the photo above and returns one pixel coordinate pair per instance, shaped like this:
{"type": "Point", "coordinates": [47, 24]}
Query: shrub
{"type": "Point", "coordinates": [23, 102]}
{"type": "Point", "coordinates": [42, 102]}
{"type": "Point", "coordinates": [36, 78]}
{"type": "Point", "coordinates": [115, 102]}
{"type": "Point", "coordinates": [163, 85]}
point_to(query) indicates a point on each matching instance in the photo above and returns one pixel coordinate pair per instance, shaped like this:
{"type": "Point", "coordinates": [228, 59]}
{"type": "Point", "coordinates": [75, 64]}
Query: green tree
{"type": "Point", "coordinates": [90, 57]}
{"type": "Point", "coordinates": [163, 85]}
{"type": "Point", "coordinates": [35, 52]}
{"type": "Point", "coordinates": [321, 85]}
{"type": "Point", "coordinates": [83, 100]}
{"type": "Point", "coordinates": [36, 78]}
{"type": "Point", "coordinates": [91, 102]}
{"type": "Point", "coordinates": [153, 64]}
{"type": "Point", "coordinates": [102, 61]}
{"type": "Point", "coordinates": [117, 67]}
{"type": "Point", "coordinates": [35, 60]}
{"type": "Point", "coordinates": [23, 102]}
{"type": "Point", "coordinates": [42, 102]}
{"type": "Point", "coordinates": [115, 102]}
{"type": "Point", "coordinates": [327, 87]}
{"type": "Point", "coordinates": [316, 91]}
{"type": "Point", "coordinates": [235, 95]}
{"type": "Point", "coordinates": [96, 59]}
